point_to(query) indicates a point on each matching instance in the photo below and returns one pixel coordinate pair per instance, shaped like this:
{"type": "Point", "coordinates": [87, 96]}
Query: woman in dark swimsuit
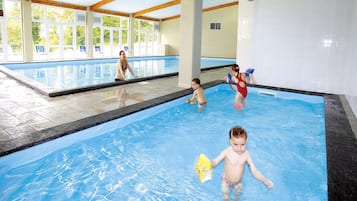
{"type": "Point", "coordinates": [122, 66]}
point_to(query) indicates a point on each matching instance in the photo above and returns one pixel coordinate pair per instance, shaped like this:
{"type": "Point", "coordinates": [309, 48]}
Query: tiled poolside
{"type": "Point", "coordinates": [23, 110]}
{"type": "Point", "coordinates": [27, 117]}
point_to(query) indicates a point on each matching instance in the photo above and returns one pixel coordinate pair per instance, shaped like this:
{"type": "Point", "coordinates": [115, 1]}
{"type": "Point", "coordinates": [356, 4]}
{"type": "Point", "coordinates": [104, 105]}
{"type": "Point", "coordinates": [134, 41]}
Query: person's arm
{"type": "Point", "coordinates": [219, 158]}
{"type": "Point", "coordinates": [257, 174]}
{"type": "Point", "coordinates": [194, 96]}
{"type": "Point", "coordinates": [234, 79]}
{"type": "Point", "coordinates": [131, 71]}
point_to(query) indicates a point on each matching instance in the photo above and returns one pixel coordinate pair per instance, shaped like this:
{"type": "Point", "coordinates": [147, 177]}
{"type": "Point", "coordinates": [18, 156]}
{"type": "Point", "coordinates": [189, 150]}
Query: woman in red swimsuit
{"type": "Point", "coordinates": [241, 83]}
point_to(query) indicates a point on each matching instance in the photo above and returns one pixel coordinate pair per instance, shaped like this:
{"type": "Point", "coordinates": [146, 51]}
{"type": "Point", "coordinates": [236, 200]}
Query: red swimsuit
{"type": "Point", "coordinates": [242, 90]}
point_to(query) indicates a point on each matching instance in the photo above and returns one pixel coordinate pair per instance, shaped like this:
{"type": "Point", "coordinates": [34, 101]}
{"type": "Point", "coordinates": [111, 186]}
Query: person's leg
{"type": "Point", "coordinates": [237, 190]}
{"type": "Point", "coordinates": [239, 101]}
{"type": "Point", "coordinates": [225, 190]}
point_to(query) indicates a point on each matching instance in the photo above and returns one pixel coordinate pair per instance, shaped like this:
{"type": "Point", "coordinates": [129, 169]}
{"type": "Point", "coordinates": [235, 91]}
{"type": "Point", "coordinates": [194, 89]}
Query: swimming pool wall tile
{"type": "Point", "coordinates": [341, 148]}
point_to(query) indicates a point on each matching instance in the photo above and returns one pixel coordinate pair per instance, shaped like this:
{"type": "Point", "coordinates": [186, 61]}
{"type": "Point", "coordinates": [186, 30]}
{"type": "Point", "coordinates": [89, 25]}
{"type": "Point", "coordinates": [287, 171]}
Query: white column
{"type": "Point", "coordinates": [27, 45]}
{"type": "Point", "coordinates": [190, 41]}
{"type": "Point", "coordinates": [131, 36]}
{"type": "Point", "coordinates": [245, 32]}
{"type": "Point", "coordinates": [89, 33]}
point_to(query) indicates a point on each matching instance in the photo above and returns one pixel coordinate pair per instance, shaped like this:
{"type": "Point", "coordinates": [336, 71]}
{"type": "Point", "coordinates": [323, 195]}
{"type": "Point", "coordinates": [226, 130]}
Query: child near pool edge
{"type": "Point", "coordinates": [235, 157]}
{"type": "Point", "coordinates": [241, 83]}
{"type": "Point", "coordinates": [198, 93]}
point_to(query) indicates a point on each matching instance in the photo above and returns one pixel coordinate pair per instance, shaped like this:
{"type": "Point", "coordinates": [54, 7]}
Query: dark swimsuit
{"type": "Point", "coordinates": [124, 69]}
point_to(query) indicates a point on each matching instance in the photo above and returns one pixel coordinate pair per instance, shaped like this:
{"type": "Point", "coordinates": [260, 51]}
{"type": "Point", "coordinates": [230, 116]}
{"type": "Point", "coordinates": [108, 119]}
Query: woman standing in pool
{"type": "Point", "coordinates": [235, 157]}
{"type": "Point", "coordinates": [122, 66]}
{"type": "Point", "coordinates": [240, 80]}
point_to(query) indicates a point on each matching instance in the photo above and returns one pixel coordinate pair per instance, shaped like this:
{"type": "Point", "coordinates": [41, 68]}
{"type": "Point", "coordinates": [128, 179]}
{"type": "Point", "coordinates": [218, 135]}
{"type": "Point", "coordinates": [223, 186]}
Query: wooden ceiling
{"type": "Point", "coordinates": [98, 7]}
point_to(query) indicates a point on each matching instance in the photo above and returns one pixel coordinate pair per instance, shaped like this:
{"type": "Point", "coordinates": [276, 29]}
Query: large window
{"type": "Point", "coordinates": [145, 38]}
{"type": "Point", "coordinates": [60, 33]}
{"type": "Point", "coordinates": [57, 33]}
{"type": "Point", "coordinates": [110, 35]}
{"type": "Point", "coordinates": [11, 37]}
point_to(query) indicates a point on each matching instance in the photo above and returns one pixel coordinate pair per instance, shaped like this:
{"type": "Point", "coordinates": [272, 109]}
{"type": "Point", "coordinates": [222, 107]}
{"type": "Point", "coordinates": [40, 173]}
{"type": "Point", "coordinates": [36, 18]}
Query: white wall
{"type": "Point", "coordinates": [170, 35]}
{"type": "Point", "coordinates": [215, 43]}
{"type": "Point", "coordinates": [220, 43]}
{"type": "Point", "coordinates": [306, 44]}
{"type": "Point", "coordinates": [352, 65]}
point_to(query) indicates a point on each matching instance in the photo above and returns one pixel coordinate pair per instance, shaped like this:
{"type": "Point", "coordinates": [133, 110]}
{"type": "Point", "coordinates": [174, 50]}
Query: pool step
{"type": "Point", "coordinates": [268, 93]}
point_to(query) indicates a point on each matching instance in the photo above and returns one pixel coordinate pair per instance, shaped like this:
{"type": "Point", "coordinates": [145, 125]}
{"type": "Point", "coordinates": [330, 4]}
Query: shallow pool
{"type": "Point", "coordinates": [66, 75]}
{"type": "Point", "coordinates": [150, 155]}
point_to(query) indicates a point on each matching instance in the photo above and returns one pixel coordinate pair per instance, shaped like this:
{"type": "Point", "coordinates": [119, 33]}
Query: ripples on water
{"type": "Point", "coordinates": [153, 159]}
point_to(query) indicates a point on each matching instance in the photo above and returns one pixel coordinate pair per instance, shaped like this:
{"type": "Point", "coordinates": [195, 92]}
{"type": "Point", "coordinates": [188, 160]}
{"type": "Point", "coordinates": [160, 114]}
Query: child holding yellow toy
{"type": "Point", "coordinates": [198, 93]}
{"type": "Point", "coordinates": [235, 156]}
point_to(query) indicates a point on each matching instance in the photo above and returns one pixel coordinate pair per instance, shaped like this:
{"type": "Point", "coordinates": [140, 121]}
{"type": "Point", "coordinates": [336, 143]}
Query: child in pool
{"type": "Point", "coordinates": [235, 157]}
{"type": "Point", "coordinates": [240, 80]}
{"type": "Point", "coordinates": [198, 93]}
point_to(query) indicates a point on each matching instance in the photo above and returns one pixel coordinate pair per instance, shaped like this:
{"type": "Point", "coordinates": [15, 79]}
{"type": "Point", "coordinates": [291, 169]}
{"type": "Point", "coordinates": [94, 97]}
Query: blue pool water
{"type": "Point", "coordinates": [150, 155]}
{"type": "Point", "coordinates": [75, 74]}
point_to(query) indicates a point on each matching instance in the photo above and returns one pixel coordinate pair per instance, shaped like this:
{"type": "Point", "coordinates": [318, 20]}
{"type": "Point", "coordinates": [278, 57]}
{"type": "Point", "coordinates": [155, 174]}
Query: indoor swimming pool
{"type": "Point", "coordinates": [68, 75]}
{"type": "Point", "coordinates": [150, 155]}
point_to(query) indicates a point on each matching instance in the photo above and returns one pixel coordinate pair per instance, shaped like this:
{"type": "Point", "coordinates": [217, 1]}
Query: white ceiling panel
{"type": "Point", "coordinates": [165, 12]}
{"type": "Point", "coordinates": [212, 3]}
{"type": "Point", "coordinates": [132, 6]}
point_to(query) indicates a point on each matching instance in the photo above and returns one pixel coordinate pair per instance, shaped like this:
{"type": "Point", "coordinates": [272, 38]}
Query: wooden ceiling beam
{"type": "Point", "coordinates": [96, 8]}
{"type": "Point", "coordinates": [205, 10]}
{"type": "Point", "coordinates": [155, 8]}
{"type": "Point", "coordinates": [220, 6]}
{"type": "Point", "coordinates": [100, 4]}
{"type": "Point", "coordinates": [148, 18]}
{"type": "Point", "coordinates": [59, 4]}
{"type": "Point", "coordinates": [171, 18]}
{"type": "Point", "coordinates": [112, 12]}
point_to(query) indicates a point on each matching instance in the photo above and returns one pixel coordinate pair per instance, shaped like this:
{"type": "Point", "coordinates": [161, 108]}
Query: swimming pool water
{"type": "Point", "coordinates": [150, 155]}
{"type": "Point", "coordinates": [75, 74]}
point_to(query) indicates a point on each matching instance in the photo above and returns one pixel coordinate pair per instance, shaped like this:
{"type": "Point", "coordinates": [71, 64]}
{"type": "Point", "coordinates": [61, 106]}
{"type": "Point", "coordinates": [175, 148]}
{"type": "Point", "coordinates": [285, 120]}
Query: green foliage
{"type": "Point", "coordinates": [53, 35]}
{"type": "Point", "coordinates": [57, 18]}
{"type": "Point", "coordinates": [12, 9]}
{"type": "Point", "coordinates": [36, 28]}
{"type": "Point", "coordinates": [80, 35]}
{"type": "Point", "coordinates": [38, 12]}
{"type": "Point", "coordinates": [68, 36]}
{"type": "Point", "coordinates": [13, 28]}
{"type": "Point", "coordinates": [96, 36]}
{"type": "Point", "coordinates": [60, 15]}
{"type": "Point", "coordinates": [145, 25]}
{"type": "Point", "coordinates": [111, 21]}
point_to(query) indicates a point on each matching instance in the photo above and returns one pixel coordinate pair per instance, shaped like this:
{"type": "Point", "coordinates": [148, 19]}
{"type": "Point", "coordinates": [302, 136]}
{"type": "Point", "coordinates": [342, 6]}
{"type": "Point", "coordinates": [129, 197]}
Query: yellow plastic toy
{"type": "Point", "coordinates": [203, 168]}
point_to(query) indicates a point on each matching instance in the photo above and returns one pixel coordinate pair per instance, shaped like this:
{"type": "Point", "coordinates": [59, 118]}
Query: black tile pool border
{"type": "Point", "coordinates": [341, 144]}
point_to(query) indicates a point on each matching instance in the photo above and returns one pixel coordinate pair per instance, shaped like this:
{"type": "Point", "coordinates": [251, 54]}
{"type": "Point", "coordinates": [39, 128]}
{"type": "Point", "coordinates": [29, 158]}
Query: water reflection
{"type": "Point", "coordinates": [76, 74]}
{"type": "Point", "coordinates": [123, 96]}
